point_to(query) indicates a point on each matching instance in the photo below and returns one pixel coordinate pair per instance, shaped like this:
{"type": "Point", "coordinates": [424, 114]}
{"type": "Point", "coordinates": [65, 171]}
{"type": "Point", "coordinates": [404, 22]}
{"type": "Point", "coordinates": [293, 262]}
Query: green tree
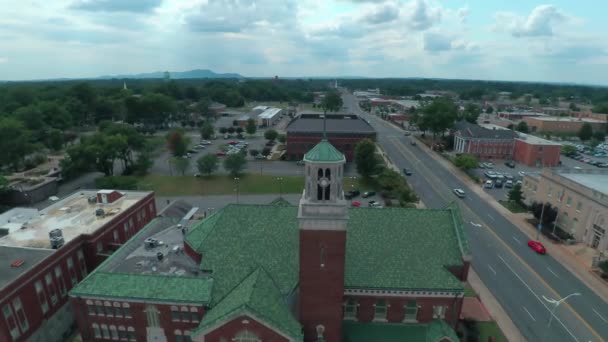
{"type": "Point", "coordinates": [599, 136]}
{"type": "Point", "coordinates": [522, 126]}
{"type": "Point", "coordinates": [207, 130]}
{"type": "Point", "coordinates": [466, 161]}
{"type": "Point", "coordinates": [586, 132]}
{"type": "Point", "coordinates": [471, 113]}
{"type": "Point", "coordinates": [3, 184]}
{"type": "Point", "coordinates": [235, 163]}
{"type": "Point", "coordinates": [568, 150]}
{"type": "Point", "coordinates": [231, 130]}
{"type": "Point", "coordinates": [180, 164]}
{"type": "Point", "coordinates": [332, 102]}
{"type": "Point", "coordinates": [251, 127]}
{"type": "Point", "coordinates": [439, 115]}
{"type": "Point", "coordinates": [490, 110]}
{"type": "Point", "coordinates": [142, 164]}
{"type": "Point", "coordinates": [14, 143]}
{"type": "Point", "coordinates": [177, 142]}
{"type": "Point", "coordinates": [282, 138]}
{"type": "Point", "coordinates": [365, 158]}
{"type": "Point", "coordinates": [515, 194]}
{"type": "Point", "coordinates": [207, 164]}
{"type": "Point", "coordinates": [239, 130]}
{"type": "Point", "coordinates": [254, 152]}
{"type": "Point", "coordinates": [271, 134]}
{"type": "Point", "coordinates": [54, 139]}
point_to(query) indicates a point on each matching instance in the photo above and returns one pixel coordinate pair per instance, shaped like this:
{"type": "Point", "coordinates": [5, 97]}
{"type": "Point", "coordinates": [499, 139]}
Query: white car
{"type": "Point", "coordinates": [488, 184]}
{"type": "Point", "coordinates": [459, 192]}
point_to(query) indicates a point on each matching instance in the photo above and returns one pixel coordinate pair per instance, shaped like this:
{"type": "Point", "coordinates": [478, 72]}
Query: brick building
{"type": "Point", "coordinates": [561, 124]}
{"type": "Point", "coordinates": [482, 142]}
{"type": "Point", "coordinates": [534, 151]}
{"type": "Point", "coordinates": [44, 254]}
{"type": "Point", "coordinates": [344, 131]}
{"type": "Point", "coordinates": [320, 271]}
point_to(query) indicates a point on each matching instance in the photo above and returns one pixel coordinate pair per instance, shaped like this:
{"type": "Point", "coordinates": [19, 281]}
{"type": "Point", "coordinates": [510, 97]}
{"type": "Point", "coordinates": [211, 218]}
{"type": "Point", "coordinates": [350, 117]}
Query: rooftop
{"type": "Point", "coordinates": [595, 181]}
{"type": "Point", "coordinates": [74, 215]}
{"type": "Point", "coordinates": [336, 123]}
{"type": "Point", "coordinates": [30, 257]}
{"type": "Point", "coordinates": [470, 130]}
{"type": "Point", "coordinates": [324, 152]}
{"type": "Point", "coordinates": [567, 119]}
{"type": "Point", "coordinates": [531, 139]}
{"type": "Point", "coordinates": [269, 113]}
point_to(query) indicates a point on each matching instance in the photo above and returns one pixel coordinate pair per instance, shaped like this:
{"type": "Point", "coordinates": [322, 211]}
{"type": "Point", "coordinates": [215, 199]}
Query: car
{"type": "Point", "coordinates": [521, 173]}
{"type": "Point", "coordinates": [374, 204]}
{"type": "Point", "coordinates": [220, 154]}
{"type": "Point", "coordinates": [191, 151]}
{"type": "Point", "coordinates": [197, 175]}
{"type": "Point", "coordinates": [205, 142]}
{"type": "Point", "coordinates": [510, 164]}
{"type": "Point", "coordinates": [355, 204]}
{"type": "Point", "coordinates": [488, 184]}
{"type": "Point", "coordinates": [489, 165]}
{"type": "Point", "coordinates": [407, 134]}
{"type": "Point", "coordinates": [481, 165]}
{"type": "Point", "coordinates": [459, 192]}
{"type": "Point", "coordinates": [407, 172]}
{"type": "Point", "coordinates": [509, 184]}
{"type": "Point", "coordinates": [260, 156]}
{"type": "Point", "coordinates": [226, 136]}
{"type": "Point", "coordinates": [232, 142]}
{"type": "Point", "coordinates": [519, 182]}
{"type": "Point", "coordinates": [498, 184]}
{"type": "Point", "coordinates": [578, 168]}
{"type": "Point", "coordinates": [490, 174]}
{"type": "Point", "coordinates": [368, 194]}
{"type": "Point", "coordinates": [537, 246]}
{"type": "Point", "coordinates": [508, 176]}
{"type": "Point", "coordinates": [413, 143]}
{"type": "Point", "coordinates": [352, 194]}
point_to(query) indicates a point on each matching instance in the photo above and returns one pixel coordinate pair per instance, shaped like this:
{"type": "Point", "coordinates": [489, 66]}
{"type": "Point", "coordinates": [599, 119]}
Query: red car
{"type": "Point", "coordinates": [356, 204]}
{"type": "Point", "coordinates": [537, 246]}
{"type": "Point", "coordinates": [233, 143]}
{"type": "Point", "coordinates": [221, 154]}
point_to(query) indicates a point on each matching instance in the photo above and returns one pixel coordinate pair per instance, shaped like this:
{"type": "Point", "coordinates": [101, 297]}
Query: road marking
{"type": "Point", "coordinates": [491, 218]}
{"type": "Point", "coordinates": [529, 314]}
{"type": "Point", "coordinates": [514, 238]}
{"type": "Point", "coordinates": [550, 270]}
{"type": "Point", "coordinates": [602, 317]}
{"type": "Point", "coordinates": [476, 224]}
{"type": "Point", "coordinates": [537, 297]}
{"type": "Point", "coordinates": [403, 150]}
{"type": "Point", "coordinates": [491, 269]}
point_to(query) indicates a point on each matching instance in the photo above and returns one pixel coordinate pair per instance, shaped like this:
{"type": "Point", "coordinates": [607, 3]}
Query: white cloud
{"type": "Point", "coordinates": [436, 42]}
{"type": "Point", "coordinates": [3, 60]}
{"type": "Point", "coordinates": [542, 21]}
{"type": "Point", "coordinates": [419, 15]}
{"type": "Point", "coordinates": [463, 13]}
{"type": "Point", "coordinates": [382, 14]}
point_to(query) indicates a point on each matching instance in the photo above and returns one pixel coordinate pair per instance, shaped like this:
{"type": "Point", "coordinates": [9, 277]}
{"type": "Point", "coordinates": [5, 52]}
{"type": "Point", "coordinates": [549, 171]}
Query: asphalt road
{"type": "Point", "coordinates": [518, 277]}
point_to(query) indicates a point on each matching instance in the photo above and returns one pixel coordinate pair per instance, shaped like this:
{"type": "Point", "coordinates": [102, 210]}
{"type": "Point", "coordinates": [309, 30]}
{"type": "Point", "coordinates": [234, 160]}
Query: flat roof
{"type": "Point", "coordinates": [531, 139]}
{"type": "Point", "coordinates": [269, 113]}
{"type": "Point", "coordinates": [313, 123]}
{"type": "Point", "coordinates": [73, 215]}
{"type": "Point", "coordinates": [30, 257]}
{"type": "Point", "coordinates": [567, 119]}
{"type": "Point", "coordinates": [594, 181]}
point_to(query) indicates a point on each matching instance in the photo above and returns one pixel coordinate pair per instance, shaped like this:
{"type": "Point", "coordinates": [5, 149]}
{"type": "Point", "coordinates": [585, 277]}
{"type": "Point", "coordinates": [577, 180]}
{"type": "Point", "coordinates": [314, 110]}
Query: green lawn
{"type": "Point", "coordinates": [487, 329]}
{"type": "Point", "coordinates": [513, 207]}
{"type": "Point", "coordinates": [223, 184]}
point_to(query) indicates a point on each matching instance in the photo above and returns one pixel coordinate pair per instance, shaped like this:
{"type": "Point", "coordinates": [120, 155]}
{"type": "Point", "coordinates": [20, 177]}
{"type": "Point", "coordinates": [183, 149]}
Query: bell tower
{"type": "Point", "coordinates": [323, 218]}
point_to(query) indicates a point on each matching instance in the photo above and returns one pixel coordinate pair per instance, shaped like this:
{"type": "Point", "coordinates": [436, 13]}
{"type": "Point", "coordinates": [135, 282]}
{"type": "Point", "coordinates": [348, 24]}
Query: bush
{"type": "Point", "coordinates": [116, 182]}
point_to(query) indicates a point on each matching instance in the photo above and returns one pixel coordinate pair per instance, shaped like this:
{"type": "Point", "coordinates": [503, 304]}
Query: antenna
{"type": "Point", "coordinates": [325, 125]}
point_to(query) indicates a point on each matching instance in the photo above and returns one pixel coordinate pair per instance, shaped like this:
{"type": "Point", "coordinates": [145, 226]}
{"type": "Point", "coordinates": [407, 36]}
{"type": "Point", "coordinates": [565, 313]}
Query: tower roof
{"type": "Point", "coordinates": [324, 152]}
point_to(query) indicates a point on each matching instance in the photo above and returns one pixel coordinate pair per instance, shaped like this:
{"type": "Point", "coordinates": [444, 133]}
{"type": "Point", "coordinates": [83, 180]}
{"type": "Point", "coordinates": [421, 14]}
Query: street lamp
{"type": "Point", "coordinates": [556, 304]}
{"type": "Point", "coordinates": [236, 179]}
{"type": "Point", "coordinates": [280, 180]}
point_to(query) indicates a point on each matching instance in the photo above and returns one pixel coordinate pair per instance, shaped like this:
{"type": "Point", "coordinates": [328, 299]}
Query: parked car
{"type": "Point", "coordinates": [498, 184]}
{"type": "Point", "coordinates": [510, 164]}
{"type": "Point", "coordinates": [537, 246]}
{"type": "Point", "coordinates": [368, 194]}
{"type": "Point", "coordinates": [488, 184]}
{"type": "Point", "coordinates": [509, 184]}
{"type": "Point", "coordinates": [407, 172]}
{"type": "Point", "coordinates": [221, 154]}
{"type": "Point", "coordinates": [459, 192]}
{"type": "Point", "coordinates": [374, 204]}
{"type": "Point", "coordinates": [205, 142]}
{"type": "Point", "coordinates": [521, 173]}
{"type": "Point", "coordinates": [355, 204]}
{"type": "Point", "coordinates": [260, 156]}
{"type": "Point", "coordinates": [490, 174]}
{"type": "Point", "coordinates": [489, 165]}
{"type": "Point", "coordinates": [413, 143]}
{"type": "Point", "coordinates": [508, 176]}
{"type": "Point", "coordinates": [481, 165]}
{"type": "Point", "coordinates": [407, 134]}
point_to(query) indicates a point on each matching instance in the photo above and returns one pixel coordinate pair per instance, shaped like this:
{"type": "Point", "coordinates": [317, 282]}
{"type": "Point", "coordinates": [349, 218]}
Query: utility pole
{"type": "Point", "coordinates": [540, 223]}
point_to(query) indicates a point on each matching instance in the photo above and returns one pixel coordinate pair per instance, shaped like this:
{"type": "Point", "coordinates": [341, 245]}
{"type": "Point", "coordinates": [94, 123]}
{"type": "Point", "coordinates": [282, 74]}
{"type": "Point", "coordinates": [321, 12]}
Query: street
{"type": "Point", "coordinates": [517, 276]}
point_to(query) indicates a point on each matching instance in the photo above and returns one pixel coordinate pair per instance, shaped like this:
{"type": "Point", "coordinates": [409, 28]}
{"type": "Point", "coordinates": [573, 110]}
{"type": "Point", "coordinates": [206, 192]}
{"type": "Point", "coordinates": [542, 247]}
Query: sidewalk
{"type": "Point", "coordinates": [563, 254]}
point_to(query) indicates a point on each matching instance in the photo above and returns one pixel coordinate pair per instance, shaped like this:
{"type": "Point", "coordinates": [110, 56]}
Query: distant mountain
{"type": "Point", "coordinates": [197, 73]}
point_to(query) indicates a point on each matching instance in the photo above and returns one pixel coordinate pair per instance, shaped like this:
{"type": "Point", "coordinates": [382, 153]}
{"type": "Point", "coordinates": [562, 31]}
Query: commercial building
{"type": "Point", "coordinates": [344, 131]}
{"type": "Point", "coordinates": [518, 115]}
{"type": "Point", "coordinates": [534, 151]}
{"type": "Point", "coordinates": [561, 124]}
{"type": "Point", "coordinates": [318, 271]}
{"type": "Point", "coordinates": [44, 254]}
{"type": "Point", "coordinates": [581, 197]}
{"type": "Point", "coordinates": [269, 117]}
{"type": "Point", "coordinates": [482, 142]}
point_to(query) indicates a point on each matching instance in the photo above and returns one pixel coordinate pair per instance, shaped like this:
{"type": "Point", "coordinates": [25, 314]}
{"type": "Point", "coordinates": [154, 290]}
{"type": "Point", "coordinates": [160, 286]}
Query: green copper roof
{"type": "Point", "coordinates": [257, 295]}
{"type": "Point", "coordinates": [151, 287]}
{"type": "Point", "coordinates": [392, 332]}
{"type": "Point", "coordinates": [324, 152]}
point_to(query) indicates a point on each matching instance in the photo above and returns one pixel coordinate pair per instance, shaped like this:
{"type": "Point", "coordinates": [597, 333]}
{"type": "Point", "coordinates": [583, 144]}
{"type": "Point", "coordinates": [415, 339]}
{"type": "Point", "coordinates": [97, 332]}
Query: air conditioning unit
{"type": "Point", "coordinates": [57, 242]}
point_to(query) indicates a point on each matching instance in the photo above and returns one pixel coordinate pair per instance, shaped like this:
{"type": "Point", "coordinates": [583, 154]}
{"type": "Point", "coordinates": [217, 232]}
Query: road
{"type": "Point", "coordinates": [516, 276]}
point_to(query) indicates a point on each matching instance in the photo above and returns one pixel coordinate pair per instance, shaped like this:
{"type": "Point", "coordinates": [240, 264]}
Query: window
{"type": "Point", "coordinates": [117, 310]}
{"type": "Point", "coordinates": [246, 336]}
{"type": "Point", "coordinates": [131, 222]}
{"type": "Point", "coordinates": [105, 332]}
{"type": "Point", "coordinates": [185, 314]}
{"type": "Point", "coordinates": [151, 208]}
{"type": "Point", "coordinates": [178, 336]}
{"type": "Point", "coordinates": [82, 264]}
{"type": "Point", "coordinates": [350, 309]}
{"type": "Point", "coordinates": [18, 306]}
{"type": "Point", "coordinates": [569, 201]}
{"type": "Point", "coordinates": [122, 333]}
{"type": "Point", "coordinates": [113, 332]}
{"type": "Point", "coordinates": [72, 272]}
{"type": "Point", "coordinates": [194, 314]}
{"type": "Point", "coordinates": [115, 235]}
{"type": "Point", "coordinates": [126, 310]}
{"type": "Point", "coordinates": [125, 227]}
{"type": "Point", "coordinates": [411, 311]}
{"type": "Point", "coordinates": [59, 277]}
{"type": "Point", "coordinates": [51, 287]}
{"type": "Point", "coordinates": [96, 330]}
{"type": "Point", "coordinates": [90, 307]}
{"type": "Point", "coordinates": [187, 337]}
{"type": "Point", "coordinates": [10, 320]}
{"type": "Point", "coordinates": [174, 314]}
{"type": "Point", "coordinates": [131, 334]}
{"type": "Point", "coordinates": [439, 311]}
{"type": "Point", "coordinates": [99, 308]}
{"type": "Point", "coordinates": [579, 205]}
{"type": "Point", "coordinates": [380, 309]}
{"type": "Point", "coordinates": [109, 310]}
{"type": "Point", "coordinates": [44, 305]}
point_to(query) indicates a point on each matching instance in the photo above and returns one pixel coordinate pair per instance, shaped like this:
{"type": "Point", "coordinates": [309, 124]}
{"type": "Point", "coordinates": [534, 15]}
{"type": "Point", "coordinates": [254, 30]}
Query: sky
{"type": "Point", "coordinates": [518, 40]}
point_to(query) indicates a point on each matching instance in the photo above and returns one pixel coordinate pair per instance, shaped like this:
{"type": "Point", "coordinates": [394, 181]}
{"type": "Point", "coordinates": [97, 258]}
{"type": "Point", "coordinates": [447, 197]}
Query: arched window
{"type": "Point", "coordinates": [152, 316]}
{"type": "Point", "coordinates": [328, 173]}
{"type": "Point", "coordinates": [105, 332]}
{"type": "Point", "coordinates": [122, 333]}
{"type": "Point", "coordinates": [328, 187]}
{"type": "Point", "coordinates": [96, 330]}
{"type": "Point", "coordinates": [108, 309]}
{"type": "Point", "coordinates": [174, 313]}
{"type": "Point", "coordinates": [194, 314]}
{"type": "Point", "coordinates": [246, 336]}
{"type": "Point", "coordinates": [319, 174]}
{"type": "Point", "coordinates": [178, 335]}
{"type": "Point", "coordinates": [131, 334]}
{"type": "Point", "coordinates": [117, 309]}
{"type": "Point", "coordinates": [99, 307]}
{"type": "Point", "coordinates": [126, 310]}
{"type": "Point", "coordinates": [113, 332]}
{"type": "Point", "coordinates": [185, 314]}
{"type": "Point", "coordinates": [90, 307]}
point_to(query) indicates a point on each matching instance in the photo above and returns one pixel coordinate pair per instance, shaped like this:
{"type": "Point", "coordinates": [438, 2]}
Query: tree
{"type": "Point", "coordinates": [142, 164]}
{"type": "Point", "coordinates": [235, 163]}
{"type": "Point", "coordinates": [586, 132]}
{"type": "Point", "coordinates": [180, 164]}
{"type": "Point", "coordinates": [568, 150]}
{"type": "Point", "coordinates": [254, 152]}
{"type": "Point", "coordinates": [177, 143]}
{"type": "Point", "coordinates": [549, 214]}
{"type": "Point", "coordinates": [515, 194]}
{"type": "Point", "coordinates": [14, 143]}
{"type": "Point", "coordinates": [438, 116]}
{"type": "Point", "coordinates": [251, 127]}
{"type": "Point", "coordinates": [332, 102]}
{"type": "Point", "coordinates": [599, 136]}
{"type": "Point", "coordinates": [54, 139]}
{"type": "Point", "coordinates": [207, 130]}
{"type": "Point", "coordinates": [490, 110]}
{"type": "Point", "coordinates": [3, 184]}
{"type": "Point", "coordinates": [231, 130]}
{"type": "Point", "coordinates": [271, 134]}
{"type": "Point", "coordinates": [466, 161]}
{"type": "Point", "coordinates": [207, 164]}
{"type": "Point", "coordinates": [282, 138]}
{"type": "Point", "coordinates": [239, 130]}
{"type": "Point", "coordinates": [471, 113]}
{"type": "Point", "coordinates": [223, 130]}
{"type": "Point", "coordinates": [522, 126]}
{"type": "Point", "coordinates": [365, 158]}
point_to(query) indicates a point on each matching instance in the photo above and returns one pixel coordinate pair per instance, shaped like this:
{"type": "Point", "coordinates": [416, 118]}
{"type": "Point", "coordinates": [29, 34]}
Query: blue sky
{"type": "Point", "coordinates": [557, 41]}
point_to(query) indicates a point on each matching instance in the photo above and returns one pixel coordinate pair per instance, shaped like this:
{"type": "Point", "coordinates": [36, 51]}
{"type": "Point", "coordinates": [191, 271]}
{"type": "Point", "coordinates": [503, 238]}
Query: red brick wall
{"type": "Point", "coordinates": [528, 154]}
{"type": "Point", "coordinates": [298, 145]}
{"type": "Point", "coordinates": [229, 330]}
{"type": "Point", "coordinates": [559, 126]}
{"type": "Point", "coordinates": [489, 149]}
{"type": "Point", "coordinates": [192, 253]}
{"type": "Point", "coordinates": [322, 288]}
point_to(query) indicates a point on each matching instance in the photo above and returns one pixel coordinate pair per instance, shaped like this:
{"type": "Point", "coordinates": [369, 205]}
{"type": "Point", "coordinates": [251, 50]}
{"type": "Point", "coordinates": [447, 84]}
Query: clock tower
{"type": "Point", "coordinates": [323, 217]}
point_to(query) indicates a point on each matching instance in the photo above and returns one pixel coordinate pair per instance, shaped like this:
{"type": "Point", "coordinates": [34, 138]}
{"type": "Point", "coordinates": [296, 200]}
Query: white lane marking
{"type": "Point", "coordinates": [538, 298]}
{"type": "Point", "coordinates": [529, 314]}
{"type": "Point", "coordinates": [550, 270]}
{"type": "Point", "coordinates": [476, 224]}
{"type": "Point", "coordinates": [602, 317]}
{"type": "Point", "coordinates": [514, 238]}
{"type": "Point", "coordinates": [491, 218]}
{"type": "Point", "coordinates": [491, 269]}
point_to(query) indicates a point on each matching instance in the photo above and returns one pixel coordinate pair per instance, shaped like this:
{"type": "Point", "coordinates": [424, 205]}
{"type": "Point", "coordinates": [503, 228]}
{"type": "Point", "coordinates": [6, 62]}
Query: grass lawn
{"type": "Point", "coordinates": [469, 292]}
{"type": "Point", "coordinates": [487, 329]}
{"type": "Point", "coordinates": [223, 185]}
{"type": "Point", "coordinates": [513, 207]}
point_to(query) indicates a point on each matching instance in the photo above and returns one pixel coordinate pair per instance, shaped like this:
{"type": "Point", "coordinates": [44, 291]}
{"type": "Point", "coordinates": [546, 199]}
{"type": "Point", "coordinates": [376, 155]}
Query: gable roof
{"type": "Point", "coordinates": [324, 152]}
{"type": "Point", "coordinates": [469, 130]}
{"type": "Point", "coordinates": [258, 295]}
